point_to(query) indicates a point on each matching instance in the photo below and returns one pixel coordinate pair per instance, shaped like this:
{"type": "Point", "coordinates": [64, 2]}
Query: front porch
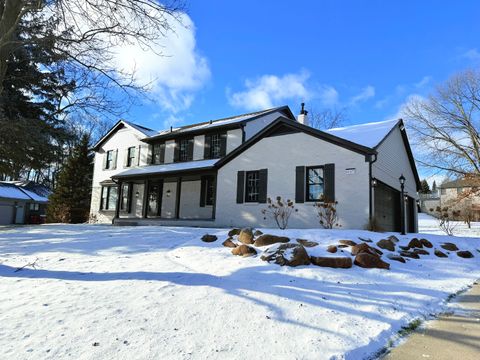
{"type": "Point", "coordinates": [166, 198]}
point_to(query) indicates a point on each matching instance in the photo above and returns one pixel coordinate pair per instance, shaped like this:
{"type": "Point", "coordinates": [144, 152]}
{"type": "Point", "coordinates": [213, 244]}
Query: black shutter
{"type": "Point", "coordinates": [162, 153]}
{"type": "Point", "coordinates": [190, 149]}
{"type": "Point", "coordinates": [300, 184]}
{"type": "Point", "coordinates": [240, 186]}
{"type": "Point", "coordinates": [262, 186]}
{"type": "Point", "coordinates": [176, 151]}
{"type": "Point", "coordinates": [150, 154]}
{"type": "Point", "coordinates": [329, 181]}
{"type": "Point", "coordinates": [115, 156]}
{"type": "Point", "coordinates": [105, 155]}
{"type": "Point", "coordinates": [203, 185]}
{"type": "Point", "coordinates": [101, 198]}
{"type": "Point", "coordinates": [206, 147]}
{"type": "Point", "coordinates": [223, 144]}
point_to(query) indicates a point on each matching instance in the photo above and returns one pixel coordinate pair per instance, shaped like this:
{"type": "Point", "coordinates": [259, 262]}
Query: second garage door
{"type": "Point", "coordinates": [387, 207]}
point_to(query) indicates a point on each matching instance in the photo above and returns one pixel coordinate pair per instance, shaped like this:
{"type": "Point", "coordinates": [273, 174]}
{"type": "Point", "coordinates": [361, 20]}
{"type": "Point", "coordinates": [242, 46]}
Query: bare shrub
{"type": "Point", "coordinates": [444, 218]}
{"type": "Point", "coordinates": [280, 211]}
{"type": "Point", "coordinates": [327, 212]}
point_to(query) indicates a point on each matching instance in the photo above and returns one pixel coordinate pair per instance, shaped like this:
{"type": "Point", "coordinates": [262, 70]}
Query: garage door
{"type": "Point", "coordinates": [387, 207]}
{"type": "Point", "coordinates": [6, 214]}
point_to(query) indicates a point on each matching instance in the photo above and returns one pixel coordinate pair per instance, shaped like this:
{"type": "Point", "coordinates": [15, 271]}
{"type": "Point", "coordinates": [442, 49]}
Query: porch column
{"type": "Point", "coordinates": [119, 198]}
{"type": "Point", "coordinates": [145, 198]}
{"type": "Point", "coordinates": [177, 202]}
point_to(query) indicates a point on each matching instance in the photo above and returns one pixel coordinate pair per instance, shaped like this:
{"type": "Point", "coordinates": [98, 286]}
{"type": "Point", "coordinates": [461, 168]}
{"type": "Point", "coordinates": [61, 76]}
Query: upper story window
{"type": "Point", "coordinates": [109, 164]}
{"type": "Point", "coordinates": [252, 186]}
{"type": "Point", "coordinates": [130, 156]}
{"type": "Point", "coordinates": [185, 150]}
{"type": "Point", "coordinates": [215, 145]}
{"type": "Point", "coordinates": [158, 154]}
{"type": "Point", "coordinates": [315, 183]}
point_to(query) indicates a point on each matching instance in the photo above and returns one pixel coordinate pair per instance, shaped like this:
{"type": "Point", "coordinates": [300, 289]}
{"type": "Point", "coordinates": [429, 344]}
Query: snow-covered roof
{"type": "Point", "coordinates": [144, 130]}
{"type": "Point", "coordinates": [16, 190]}
{"type": "Point", "coordinates": [35, 196]}
{"type": "Point", "coordinates": [167, 168]}
{"type": "Point", "coordinates": [369, 134]}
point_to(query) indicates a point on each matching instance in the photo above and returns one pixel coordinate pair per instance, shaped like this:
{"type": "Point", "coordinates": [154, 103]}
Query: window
{"type": "Point", "coordinates": [315, 183]}
{"type": "Point", "coordinates": [183, 150]}
{"type": "Point", "coordinates": [109, 198]}
{"type": "Point", "coordinates": [251, 186]}
{"type": "Point", "coordinates": [131, 156]}
{"type": "Point", "coordinates": [109, 162]}
{"type": "Point", "coordinates": [215, 146]}
{"type": "Point", "coordinates": [125, 201]}
{"type": "Point", "coordinates": [34, 207]}
{"type": "Point", "coordinates": [443, 191]}
{"type": "Point", "coordinates": [157, 151]}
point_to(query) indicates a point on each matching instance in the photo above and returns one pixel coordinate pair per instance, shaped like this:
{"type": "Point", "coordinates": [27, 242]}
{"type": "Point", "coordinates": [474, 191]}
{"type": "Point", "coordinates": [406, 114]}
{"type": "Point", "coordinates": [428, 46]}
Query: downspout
{"type": "Point", "coordinates": [243, 133]}
{"type": "Point", "coordinates": [370, 179]}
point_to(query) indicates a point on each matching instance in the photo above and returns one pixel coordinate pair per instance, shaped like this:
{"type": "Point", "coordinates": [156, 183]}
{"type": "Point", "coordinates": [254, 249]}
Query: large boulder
{"type": "Point", "coordinates": [246, 236]}
{"type": "Point", "coordinates": [409, 254]}
{"type": "Point", "coordinates": [244, 250]}
{"type": "Point", "coordinates": [449, 246]}
{"type": "Point", "coordinates": [426, 243]}
{"type": "Point", "coordinates": [396, 258]}
{"type": "Point", "coordinates": [465, 254]}
{"type": "Point", "coordinates": [415, 243]}
{"type": "Point", "coordinates": [289, 254]}
{"type": "Point", "coordinates": [332, 249]}
{"type": "Point", "coordinates": [233, 232]}
{"type": "Point", "coordinates": [393, 238]}
{"type": "Point", "coordinates": [369, 261]}
{"type": "Point", "coordinates": [387, 244]}
{"type": "Point", "coordinates": [333, 262]}
{"type": "Point", "coordinates": [267, 239]}
{"type": "Point", "coordinates": [229, 243]}
{"type": "Point", "coordinates": [347, 242]}
{"type": "Point", "coordinates": [209, 238]}
{"type": "Point", "coordinates": [439, 253]}
{"type": "Point", "coordinates": [363, 248]}
{"type": "Point", "coordinates": [421, 251]}
{"type": "Point", "coordinates": [307, 243]}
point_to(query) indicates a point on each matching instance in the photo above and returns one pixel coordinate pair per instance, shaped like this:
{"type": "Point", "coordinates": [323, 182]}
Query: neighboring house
{"type": "Point", "coordinates": [22, 202]}
{"type": "Point", "coordinates": [220, 173]}
{"type": "Point", "coordinates": [461, 195]}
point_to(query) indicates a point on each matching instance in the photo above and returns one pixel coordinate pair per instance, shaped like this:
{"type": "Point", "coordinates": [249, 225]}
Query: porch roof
{"type": "Point", "coordinates": [167, 168]}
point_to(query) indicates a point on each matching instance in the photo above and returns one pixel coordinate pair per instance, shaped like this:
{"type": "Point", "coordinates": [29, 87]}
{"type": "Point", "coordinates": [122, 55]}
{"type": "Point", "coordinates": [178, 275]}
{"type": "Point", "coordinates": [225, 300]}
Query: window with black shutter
{"type": "Point", "coordinates": [314, 183]}
{"type": "Point", "coordinates": [252, 187]}
{"type": "Point", "coordinates": [185, 149]}
{"type": "Point", "coordinates": [158, 153]}
{"type": "Point", "coordinates": [109, 161]}
{"type": "Point", "coordinates": [109, 197]}
{"type": "Point", "coordinates": [131, 156]}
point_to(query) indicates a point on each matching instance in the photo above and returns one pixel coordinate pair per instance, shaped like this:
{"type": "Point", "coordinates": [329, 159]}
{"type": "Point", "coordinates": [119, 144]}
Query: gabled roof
{"type": "Point", "coordinates": [284, 125]}
{"type": "Point", "coordinates": [122, 123]}
{"type": "Point", "coordinates": [14, 190]}
{"type": "Point", "coordinates": [229, 122]}
{"type": "Point", "coordinates": [167, 168]}
{"type": "Point", "coordinates": [460, 183]}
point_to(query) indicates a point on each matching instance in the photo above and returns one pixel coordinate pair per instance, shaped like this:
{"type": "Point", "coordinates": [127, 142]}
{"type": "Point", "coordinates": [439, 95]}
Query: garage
{"type": "Point", "coordinates": [7, 211]}
{"type": "Point", "coordinates": [387, 207]}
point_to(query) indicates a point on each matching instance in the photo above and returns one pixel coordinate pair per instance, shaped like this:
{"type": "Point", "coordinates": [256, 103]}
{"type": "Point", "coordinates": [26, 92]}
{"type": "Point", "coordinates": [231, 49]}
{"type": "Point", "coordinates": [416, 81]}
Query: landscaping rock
{"type": "Point", "coordinates": [421, 252]}
{"type": "Point", "coordinates": [229, 243]}
{"type": "Point", "coordinates": [342, 246]}
{"type": "Point", "coordinates": [246, 236]}
{"type": "Point", "coordinates": [209, 238]}
{"type": "Point", "coordinates": [404, 247]}
{"type": "Point", "coordinates": [396, 258]}
{"type": "Point", "coordinates": [244, 250]}
{"type": "Point", "coordinates": [332, 249]}
{"type": "Point", "coordinates": [387, 244]}
{"type": "Point", "coordinates": [409, 254]}
{"type": "Point", "coordinates": [393, 238]}
{"type": "Point", "coordinates": [449, 246]}
{"type": "Point", "coordinates": [347, 242]}
{"type": "Point", "coordinates": [465, 254]}
{"type": "Point", "coordinates": [363, 248]}
{"type": "Point", "coordinates": [267, 239]}
{"type": "Point", "coordinates": [426, 243]}
{"type": "Point", "coordinates": [415, 243]}
{"type": "Point", "coordinates": [365, 240]}
{"type": "Point", "coordinates": [333, 262]}
{"type": "Point", "coordinates": [257, 233]}
{"type": "Point", "coordinates": [439, 253]}
{"type": "Point", "coordinates": [307, 243]}
{"type": "Point", "coordinates": [233, 232]}
{"type": "Point", "coordinates": [369, 261]}
{"type": "Point", "coordinates": [289, 254]}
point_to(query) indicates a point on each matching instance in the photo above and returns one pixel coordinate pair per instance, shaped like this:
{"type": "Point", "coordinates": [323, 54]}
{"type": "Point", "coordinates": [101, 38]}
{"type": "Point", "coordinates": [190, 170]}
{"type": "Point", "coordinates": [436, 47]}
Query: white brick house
{"type": "Point", "coordinates": [220, 173]}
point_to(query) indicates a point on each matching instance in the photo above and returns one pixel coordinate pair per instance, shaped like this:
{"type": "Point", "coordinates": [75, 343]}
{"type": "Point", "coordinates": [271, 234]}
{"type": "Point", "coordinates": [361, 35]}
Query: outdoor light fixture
{"type": "Point", "coordinates": [168, 193]}
{"type": "Point", "coordinates": [402, 204]}
{"type": "Point", "coordinates": [374, 182]}
{"type": "Point", "coordinates": [137, 194]}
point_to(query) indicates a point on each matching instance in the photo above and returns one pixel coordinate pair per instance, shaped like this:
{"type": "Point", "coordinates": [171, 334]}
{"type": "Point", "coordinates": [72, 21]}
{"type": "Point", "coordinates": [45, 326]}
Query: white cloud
{"type": "Point", "coordinates": [177, 74]}
{"type": "Point", "coordinates": [425, 80]}
{"type": "Point", "coordinates": [271, 90]}
{"type": "Point", "coordinates": [365, 94]}
{"type": "Point", "coordinates": [472, 54]}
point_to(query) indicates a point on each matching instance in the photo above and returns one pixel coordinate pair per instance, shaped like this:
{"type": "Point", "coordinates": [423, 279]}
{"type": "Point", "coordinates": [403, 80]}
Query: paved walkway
{"type": "Point", "coordinates": [450, 337]}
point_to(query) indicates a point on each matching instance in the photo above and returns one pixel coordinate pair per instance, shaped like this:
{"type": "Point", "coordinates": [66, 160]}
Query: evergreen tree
{"type": "Point", "coordinates": [70, 202]}
{"type": "Point", "coordinates": [424, 187]}
{"type": "Point", "coordinates": [434, 186]}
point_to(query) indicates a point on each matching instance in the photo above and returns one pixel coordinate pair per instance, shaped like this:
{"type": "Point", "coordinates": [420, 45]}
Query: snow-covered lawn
{"type": "Point", "coordinates": [102, 292]}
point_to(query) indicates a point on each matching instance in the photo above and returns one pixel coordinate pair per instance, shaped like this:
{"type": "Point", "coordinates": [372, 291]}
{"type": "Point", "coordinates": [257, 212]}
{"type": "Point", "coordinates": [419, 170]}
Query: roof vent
{"type": "Point", "coordinates": [171, 128]}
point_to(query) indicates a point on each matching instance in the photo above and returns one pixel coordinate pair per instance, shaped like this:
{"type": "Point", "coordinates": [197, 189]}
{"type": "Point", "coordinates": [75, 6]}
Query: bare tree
{"type": "Point", "coordinates": [446, 126]}
{"type": "Point", "coordinates": [327, 118]}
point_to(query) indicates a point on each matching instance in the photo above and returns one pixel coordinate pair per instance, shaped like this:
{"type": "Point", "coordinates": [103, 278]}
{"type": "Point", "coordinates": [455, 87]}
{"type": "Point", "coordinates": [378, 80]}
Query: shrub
{"type": "Point", "coordinates": [280, 211]}
{"type": "Point", "coordinates": [327, 212]}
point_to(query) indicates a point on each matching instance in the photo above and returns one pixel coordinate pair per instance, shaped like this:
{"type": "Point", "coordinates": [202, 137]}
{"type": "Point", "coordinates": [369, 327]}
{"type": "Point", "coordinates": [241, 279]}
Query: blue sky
{"type": "Point", "coordinates": [365, 56]}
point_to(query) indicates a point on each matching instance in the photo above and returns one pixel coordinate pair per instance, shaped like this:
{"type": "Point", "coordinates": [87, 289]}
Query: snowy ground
{"type": "Point", "coordinates": [102, 292]}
